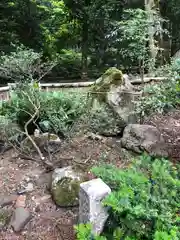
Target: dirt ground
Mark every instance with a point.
(49, 222)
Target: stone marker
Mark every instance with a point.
(90, 207)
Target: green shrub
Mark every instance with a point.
(57, 113)
(62, 110)
(69, 65)
(24, 100)
(162, 97)
(158, 98)
(84, 232)
(23, 65)
(144, 203)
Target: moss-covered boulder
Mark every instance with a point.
(65, 186)
(102, 86)
(114, 89)
(104, 121)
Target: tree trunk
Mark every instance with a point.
(149, 5)
(84, 49)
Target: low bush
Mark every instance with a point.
(57, 112)
(61, 110)
(162, 97)
(68, 66)
(23, 64)
(144, 203)
(64, 112)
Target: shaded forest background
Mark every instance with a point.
(86, 37)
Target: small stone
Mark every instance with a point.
(7, 200)
(21, 191)
(21, 201)
(27, 179)
(43, 199)
(20, 218)
(29, 187)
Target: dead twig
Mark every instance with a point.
(82, 162)
(31, 120)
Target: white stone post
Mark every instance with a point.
(91, 209)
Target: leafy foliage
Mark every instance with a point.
(62, 110)
(100, 30)
(68, 65)
(164, 96)
(84, 232)
(141, 205)
(57, 113)
(23, 65)
(131, 36)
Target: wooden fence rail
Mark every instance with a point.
(5, 91)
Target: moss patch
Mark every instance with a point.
(4, 218)
(66, 192)
(112, 76)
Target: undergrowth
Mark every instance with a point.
(60, 112)
(162, 97)
(144, 203)
(57, 110)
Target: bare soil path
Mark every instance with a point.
(48, 221)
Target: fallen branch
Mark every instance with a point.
(28, 122)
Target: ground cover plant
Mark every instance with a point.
(144, 203)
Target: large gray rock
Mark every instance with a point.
(20, 218)
(123, 103)
(91, 209)
(65, 186)
(116, 90)
(144, 138)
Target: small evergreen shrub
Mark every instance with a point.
(164, 96)
(23, 65)
(57, 113)
(68, 65)
(144, 203)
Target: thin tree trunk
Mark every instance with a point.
(84, 49)
(149, 4)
